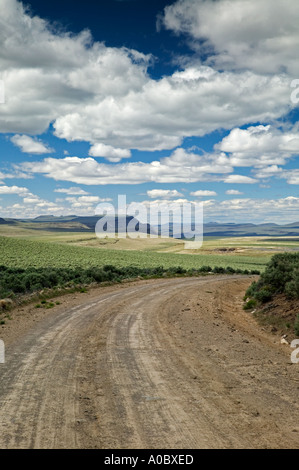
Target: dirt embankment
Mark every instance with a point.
(279, 316)
(159, 364)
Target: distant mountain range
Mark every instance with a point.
(4, 222)
(215, 229)
(250, 230)
(73, 223)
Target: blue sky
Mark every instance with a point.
(187, 100)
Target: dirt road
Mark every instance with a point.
(159, 364)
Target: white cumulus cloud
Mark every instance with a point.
(110, 153)
(180, 166)
(201, 193)
(259, 35)
(20, 191)
(260, 146)
(163, 193)
(233, 192)
(31, 145)
(72, 191)
(104, 96)
(240, 179)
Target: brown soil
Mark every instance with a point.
(160, 364)
(279, 316)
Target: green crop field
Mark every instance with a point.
(15, 252)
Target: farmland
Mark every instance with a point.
(23, 253)
(24, 246)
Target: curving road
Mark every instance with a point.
(172, 364)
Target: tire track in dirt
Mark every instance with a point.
(38, 382)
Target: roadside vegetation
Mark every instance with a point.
(275, 296)
(281, 276)
(17, 281)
